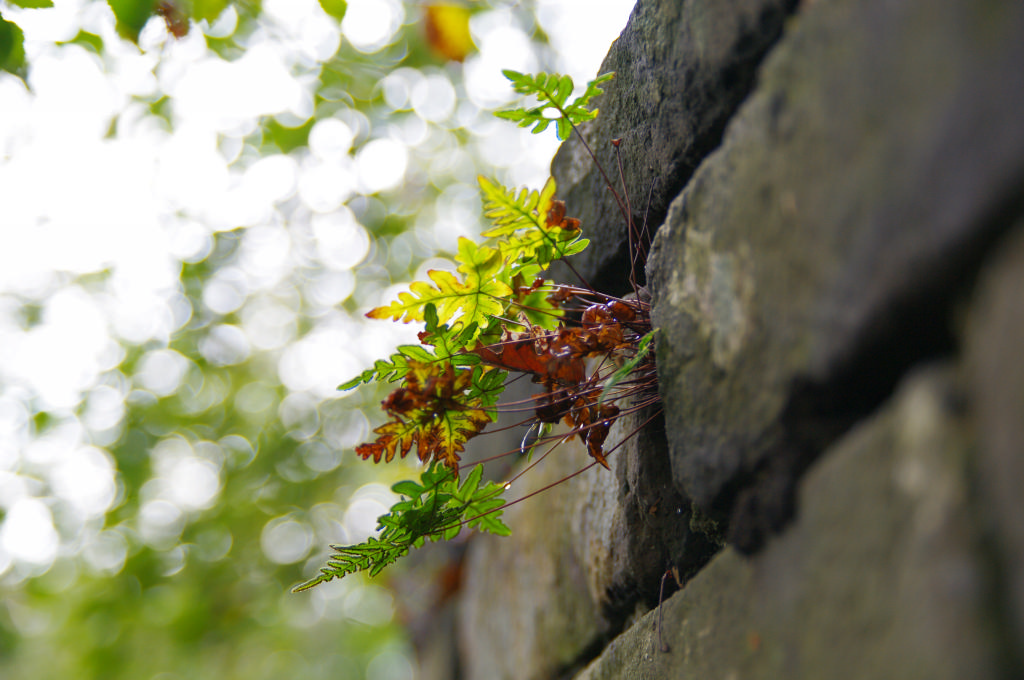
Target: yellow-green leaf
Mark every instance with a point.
(510, 212)
(476, 299)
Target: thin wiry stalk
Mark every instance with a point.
(625, 439)
(630, 228)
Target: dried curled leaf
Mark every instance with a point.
(534, 303)
(557, 360)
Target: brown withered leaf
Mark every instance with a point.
(556, 360)
(557, 218)
(430, 411)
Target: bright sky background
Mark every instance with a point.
(75, 200)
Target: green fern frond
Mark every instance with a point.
(435, 508)
(552, 91)
(446, 341)
(520, 228)
(643, 348)
(448, 394)
(473, 300)
(510, 211)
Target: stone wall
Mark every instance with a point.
(838, 280)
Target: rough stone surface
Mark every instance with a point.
(582, 557)
(629, 531)
(816, 254)
(878, 577)
(682, 67)
(840, 293)
(994, 341)
(529, 612)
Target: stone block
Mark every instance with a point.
(817, 254)
(878, 576)
(582, 557)
(994, 340)
(682, 68)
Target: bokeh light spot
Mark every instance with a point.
(330, 139)
(162, 371)
(160, 524)
(84, 478)
(369, 502)
(285, 540)
(390, 665)
(371, 24)
(341, 242)
(27, 533)
(106, 552)
(433, 98)
(318, 363)
(226, 291)
(225, 345)
(381, 164)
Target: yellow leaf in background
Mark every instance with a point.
(447, 28)
(335, 8)
(208, 9)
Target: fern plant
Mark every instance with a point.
(432, 510)
(497, 315)
(553, 90)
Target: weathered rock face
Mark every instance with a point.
(994, 338)
(531, 614)
(818, 253)
(878, 577)
(581, 557)
(839, 288)
(681, 70)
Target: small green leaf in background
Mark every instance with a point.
(288, 138)
(131, 16)
(32, 4)
(208, 9)
(12, 48)
(335, 8)
(90, 41)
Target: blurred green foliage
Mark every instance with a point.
(12, 48)
(179, 581)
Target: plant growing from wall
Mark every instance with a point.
(496, 316)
